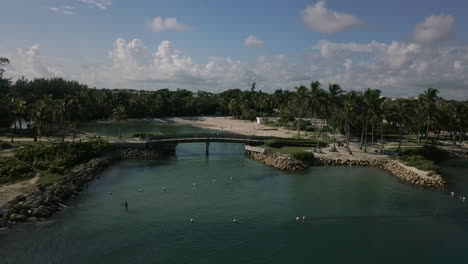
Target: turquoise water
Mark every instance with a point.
(354, 215)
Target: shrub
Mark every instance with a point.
(273, 143)
(12, 169)
(431, 153)
(420, 162)
(5, 145)
(307, 157)
(63, 156)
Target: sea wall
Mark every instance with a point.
(45, 201)
(137, 154)
(403, 172)
(276, 161)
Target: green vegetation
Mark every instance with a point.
(52, 161)
(61, 157)
(306, 157)
(289, 150)
(420, 162)
(424, 158)
(12, 169)
(56, 107)
(144, 134)
(427, 152)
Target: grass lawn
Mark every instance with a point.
(289, 150)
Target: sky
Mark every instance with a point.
(401, 47)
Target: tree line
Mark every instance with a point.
(59, 106)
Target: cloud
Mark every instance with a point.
(458, 66)
(321, 19)
(330, 49)
(434, 28)
(397, 68)
(160, 24)
(253, 41)
(65, 10)
(101, 4)
(30, 64)
(348, 64)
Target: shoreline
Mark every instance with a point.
(405, 173)
(44, 201)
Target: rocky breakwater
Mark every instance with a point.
(275, 160)
(405, 173)
(44, 201)
(137, 154)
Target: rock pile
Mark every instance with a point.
(277, 161)
(405, 174)
(44, 201)
(138, 154)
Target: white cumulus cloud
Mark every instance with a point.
(160, 24)
(434, 28)
(65, 10)
(253, 41)
(30, 64)
(101, 4)
(321, 19)
(458, 66)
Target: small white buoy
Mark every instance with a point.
(110, 193)
(194, 184)
(463, 199)
(141, 190)
(452, 193)
(214, 180)
(164, 188)
(303, 218)
(234, 220)
(232, 178)
(297, 219)
(191, 220)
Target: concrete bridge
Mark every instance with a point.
(166, 144)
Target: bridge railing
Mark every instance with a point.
(227, 135)
(205, 135)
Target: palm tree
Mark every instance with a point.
(118, 115)
(459, 116)
(299, 100)
(429, 104)
(41, 113)
(400, 115)
(315, 98)
(349, 109)
(372, 102)
(3, 61)
(333, 104)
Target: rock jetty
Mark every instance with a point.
(405, 173)
(45, 201)
(137, 154)
(277, 161)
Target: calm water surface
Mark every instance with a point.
(354, 215)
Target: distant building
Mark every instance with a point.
(315, 122)
(264, 120)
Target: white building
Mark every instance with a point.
(264, 120)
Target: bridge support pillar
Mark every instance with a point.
(207, 148)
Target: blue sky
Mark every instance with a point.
(400, 47)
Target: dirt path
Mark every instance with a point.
(8, 192)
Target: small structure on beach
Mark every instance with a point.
(264, 120)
